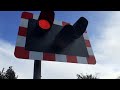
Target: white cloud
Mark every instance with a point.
(23, 68)
(108, 44)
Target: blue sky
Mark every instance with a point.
(103, 30)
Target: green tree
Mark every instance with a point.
(90, 76)
(9, 74)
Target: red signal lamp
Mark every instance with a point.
(44, 24)
(45, 20)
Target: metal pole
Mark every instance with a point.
(37, 69)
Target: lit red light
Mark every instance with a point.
(44, 24)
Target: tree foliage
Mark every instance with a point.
(90, 76)
(9, 74)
